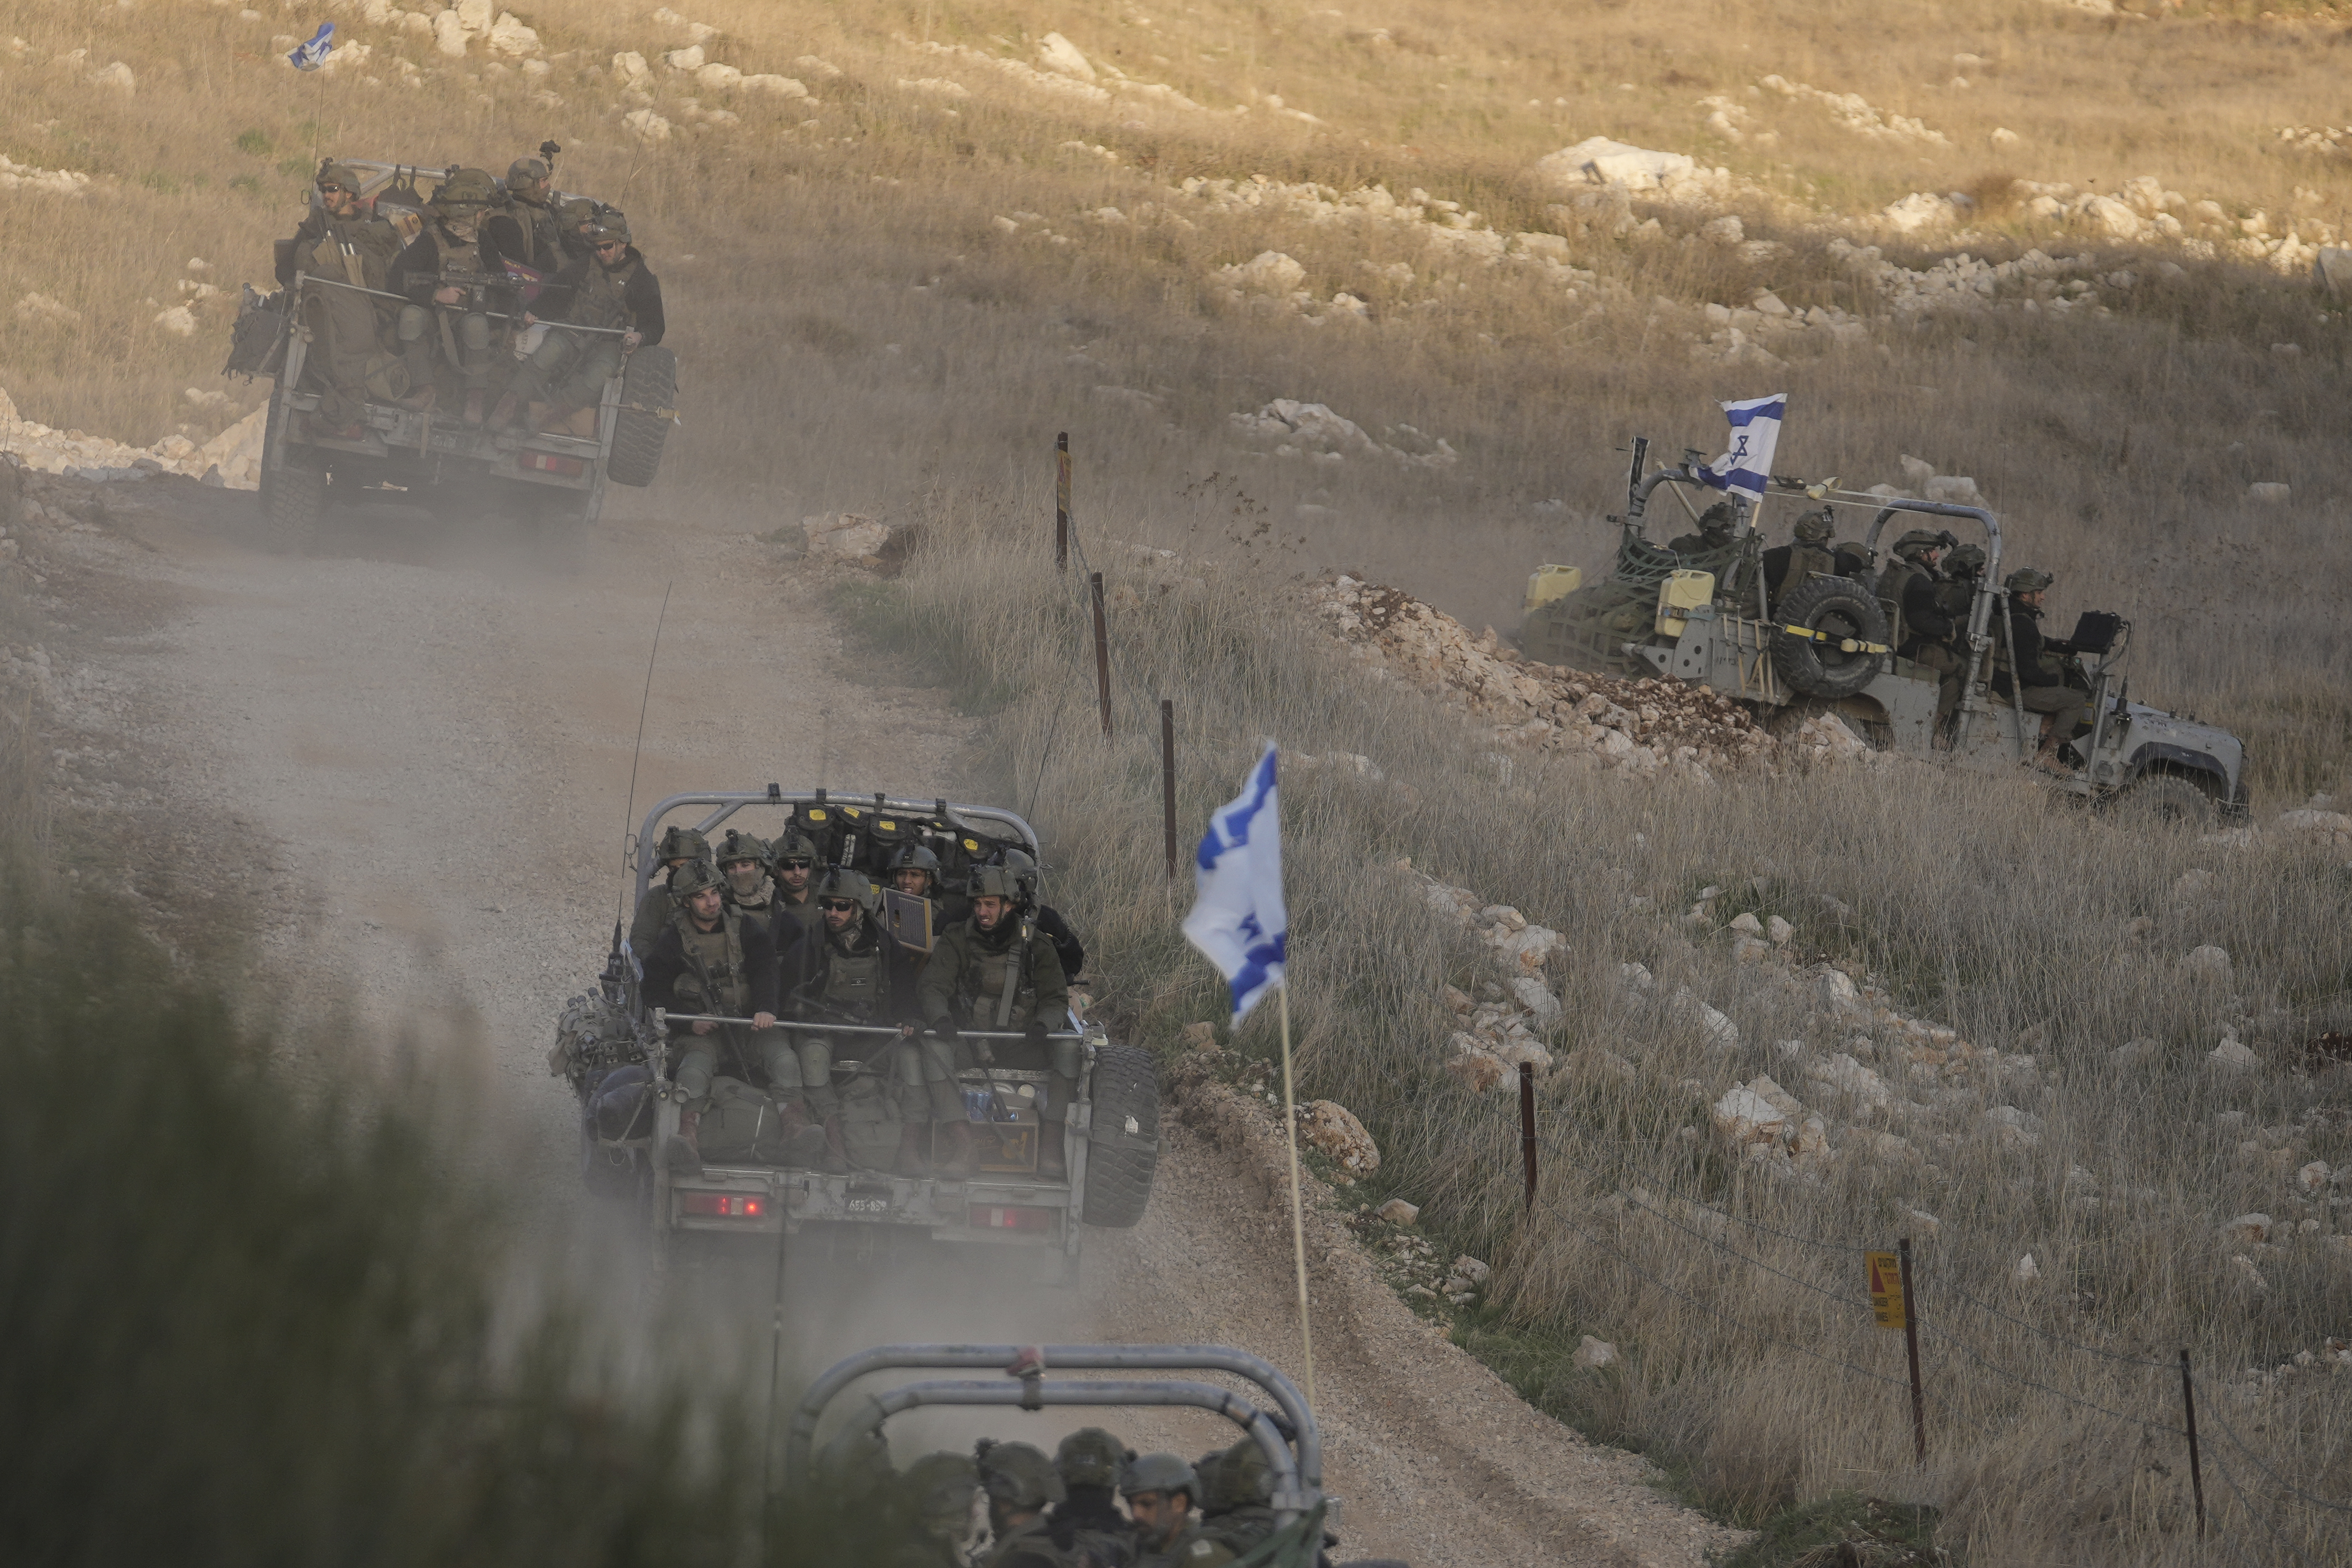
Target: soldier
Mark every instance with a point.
(530, 231)
(1923, 628)
(1854, 559)
(1159, 1490)
(1086, 1525)
(678, 845)
(712, 961)
(1050, 923)
(344, 241)
(615, 297)
(1716, 527)
(454, 281)
(1809, 553)
(915, 872)
(852, 973)
(1237, 1495)
(938, 1489)
(743, 861)
(795, 861)
(577, 220)
(2046, 688)
(1020, 1482)
(998, 972)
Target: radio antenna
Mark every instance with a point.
(629, 815)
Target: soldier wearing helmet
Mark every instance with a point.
(1237, 1495)
(1020, 1484)
(655, 907)
(1923, 629)
(743, 861)
(1160, 1489)
(709, 960)
(848, 970)
(1717, 526)
(997, 972)
(456, 280)
(915, 872)
(793, 861)
(1086, 1524)
(609, 304)
(342, 241)
(939, 1491)
(528, 229)
(2044, 688)
(1809, 553)
(1057, 930)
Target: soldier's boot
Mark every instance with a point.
(909, 1160)
(835, 1161)
(504, 413)
(682, 1154)
(419, 401)
(952, 1144)
(474, 398)
(1050, 1162)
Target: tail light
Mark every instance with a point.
(996, 1217)
(722, 1205)
(547, 463)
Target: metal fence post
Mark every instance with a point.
(2196, 1470)
(1911, 1346)
(1527, 1129)
(1168, 778)
(1062, 502)
(1102, 651)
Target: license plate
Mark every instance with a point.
(870, 1206)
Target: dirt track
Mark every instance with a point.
(419, 738)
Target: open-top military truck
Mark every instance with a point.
(554, 480)
(1703, 617)
(1019, 1378)
(613, 1050)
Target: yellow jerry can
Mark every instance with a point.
(1682, 592)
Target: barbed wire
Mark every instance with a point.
(1979, 1357)
(2221, 1467)
(2057, 1338)
(2213, 1403)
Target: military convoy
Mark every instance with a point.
(1703, 617)
(554, 480)
(612, 1048)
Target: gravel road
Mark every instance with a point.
(418, 738)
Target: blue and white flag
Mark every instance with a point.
(1754, 432)
(1237, 918)
(309, 57)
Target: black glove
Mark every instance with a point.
(943, 1030)
(1037, 1031)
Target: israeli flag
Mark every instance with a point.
(1754, 432)
(1237, 918)
(309, 57)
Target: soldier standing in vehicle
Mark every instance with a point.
(854, 973)
(455, 282)
(1808, 553)
(711, 961)
(743, 861)
(1717, 526)
(611, 293)
(1159, 1490)
(678, 845)
(1925, 633)
(2046, 688)
(998, 972)
(1086, 1524)
(1020, 1483)
(344, 241)
(528, 230)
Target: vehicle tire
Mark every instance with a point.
(2167, 798)
(1119, 1173)
(289, 515)
(648, 391)
(1842, 610)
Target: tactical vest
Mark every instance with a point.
(1892, 583)
(715, 979)
(853, 982)
(334, 253)
(985, 985)
(465, 259)
(600, 300)
(1804, 561)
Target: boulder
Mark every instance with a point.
(2014, 1128)
(449, 35)
(1058, 55)
(2246, 1230)
(1745, 1117)
(1779, 931)
(1267, 272)
(1397, 1212)
(2311, 1178)
(2208, 964)
(1330, 1126)
(2232, 1055)
(1598, 161)
(1533, 995)
(1844, 1075)
(2105, 215)
(1470, 1271)
(508, 37)
(1478, 1068)
(1721, 1033)
(2241, 1268)
(1839, 997)
(1594, 1353)
(845, 536)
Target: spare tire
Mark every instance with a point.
(648, 394)
(1837, 610)
(1123, 1139)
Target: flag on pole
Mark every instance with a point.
(311, 56)
(1238, 921)
(1754, 432)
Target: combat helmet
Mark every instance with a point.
(939, 1488)
(1162, 1473)
(1815, 528)
(1966, 560)
(855, 1466)
(682, 843)
(1090, 1457)
(916, 857)
(1234, 1478)
(522, 170)
(792, 844)
(1718, 521)
(334, 172)
(1025, 875)
(691, 877)
(1918, 540)
(463, 194)
(840, 881)
(2028, 579)
(1019, 1476)
(996, 882)
(742, 846)
(577, 210)
(610, 226)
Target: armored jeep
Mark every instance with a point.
(1826, 647)
(614, 1051)
(553, 480)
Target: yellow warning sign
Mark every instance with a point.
(1885, 1287)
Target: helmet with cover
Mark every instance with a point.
(792, 844)
(1019, 1476)
(1161, 1473)
(2029, 580)
(841, 881)
(691, 877)
(939, 1487)
(1815, 528)
(610, 228)
(1090, 1457)
(1919, 541)
(1966, 560)
(916, 857)
(996, 882)
(683, 843)
(464, 194)
(1716, 524)
(739, 845)
(1025, 875)
(1236, 1477)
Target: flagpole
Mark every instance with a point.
(1298, 1207)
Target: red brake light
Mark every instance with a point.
(722, 1205)
(990, 1217)
(547, 463)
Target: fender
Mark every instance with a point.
(2160, 756)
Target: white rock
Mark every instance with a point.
(2108, 216)
(474, 15)
(1839, 995)
(1779, 931)
(1537, 1000)
(1747, 1118)
(2314, 822)
(179, 321)
(1917, 213)
(1268, 272)
(1057, 54)
(509, 37)
(2269, 492)
(1749, 924)
(2004, 137)
(817, 66)
(449, 35)
(647, 126)
(630, 67)
(2208, 964)
(1397, 1212)
(691, 59)
(844, 536)
(1725, 230)
(2026, 1272)
(1844, 1075)
(2195, 884)
(2312, 1177)
(1722, 1034)
(1925, 1221)
(774, 85)
(2244, 1268)
(1954, 489)
(1470, 1268)
(717, 78)
(1331, 1128)
(2133, 1051)
(2232, 1055)
(2013, 1126)
(116, 78)
(1594, 1353)
(1598, 161)
(1636, 977)
(2247, 1230)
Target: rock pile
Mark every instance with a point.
(1310, 430)
(232, 458)
(1639, 728)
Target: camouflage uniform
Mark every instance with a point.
(1717, 527)
(530, 208)
(857, 975)
(1808, 554)
(759, 898)
(346, 325)
(1020, 1482)
(938, 1489)
(1236, 1490)
(1925, 631)
(1086, 1524)
(452, 253)
(568, 371)
(656, 904)
(1008, 979)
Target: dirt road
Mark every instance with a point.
(419, 738)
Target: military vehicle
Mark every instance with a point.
(1017, 1377)
(615, 1053)
(554, 480)
(1826, 647)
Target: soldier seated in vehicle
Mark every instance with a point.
(915, 872)
(528, 229)
(342, 242)
(455, 281)
(1160, 1489)
(997, 972)
(1717, 526)
(1086, 1525)
(793, 862)
(2046, 688)
(1236, 1497)
(938, 1492)
(713, 960)
(609, 305)
(854, 973)
(1924, 630)
(1020, 1484)
(1050, 923)
(743, 861)
(654, 906)
(1809, 553)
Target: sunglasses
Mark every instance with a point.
(603, 245)
(335, 191)
(841, 905)
(796, 865)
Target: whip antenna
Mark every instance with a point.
(629, 813)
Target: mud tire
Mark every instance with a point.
(2167, 800)
(649, 384)
(292, 504)
(1842, 609)
(1118, 1174)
